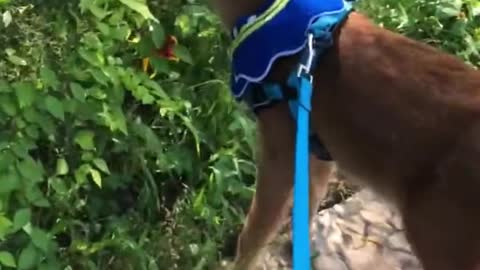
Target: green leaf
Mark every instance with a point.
(87, 156)
(449, 9)
(49, 78)
(118, 16)
(55, 107)
(183, 54)
(160, 65)
(40, 239)
(31, 115)
(84, 4)
(22, 217)
(58, 185)
(26, 94)
(90, 5)
(32, 131)
(113, 74)
(101, 165)
(98, 12)
(10, 51)
(188, 123)
(156, 89)
(447, 12)
(20, 123)
(114, 118)
(94, 58)
(52, 263)
(7, 158)
(96, 177)
(8, 105)
(121, 32)
(148, 99)
(36, 197)
(81, 173)
(158, 35)
(145, 47)
(7, 259)
(78, 92)
(28, 258)
(30, 170)
(10, 181)
(475, 8)
(141, 7)
(97, 93)
(28, 228)
(84, 138)
(91, 39)
(5, 226)
(16, 60)
(20, 148)
(99, 76)
(62, 167)
(184, 24)
(4, 87)
(104, 29)
(6, 18)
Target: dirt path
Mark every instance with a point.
(361, 233)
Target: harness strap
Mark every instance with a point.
(263, 96)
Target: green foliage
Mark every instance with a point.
(102, 165)
(106, 166)
(452, 25)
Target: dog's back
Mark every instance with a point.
(405, 118)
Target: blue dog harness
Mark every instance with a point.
(280, 28)
(277, 29)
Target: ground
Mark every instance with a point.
(361, 232)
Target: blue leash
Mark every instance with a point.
(302, 81)
(301, 234)
(319, 39)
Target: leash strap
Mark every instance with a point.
(319, 39)
(302, 81)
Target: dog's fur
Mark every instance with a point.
(397, 115)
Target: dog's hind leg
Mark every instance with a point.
(272, 201)
(442, 216)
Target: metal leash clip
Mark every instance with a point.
(306, 63)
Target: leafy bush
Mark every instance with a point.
(104, 165)
(452, 25)
(109, 161)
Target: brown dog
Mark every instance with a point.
(396, 115)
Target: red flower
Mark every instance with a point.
(167, 51)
